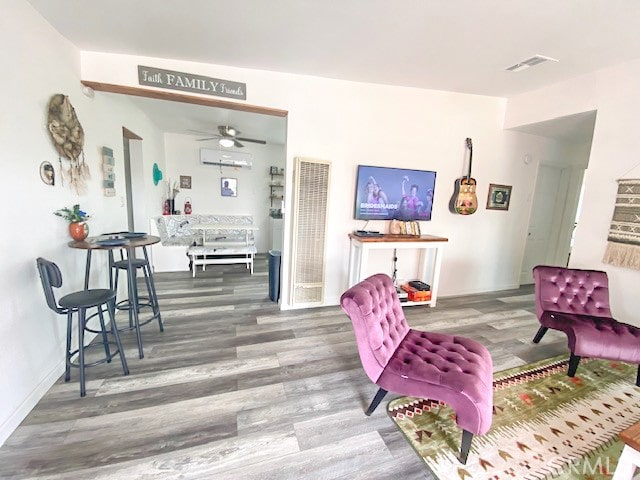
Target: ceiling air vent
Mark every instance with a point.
(529, 62)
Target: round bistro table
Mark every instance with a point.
(114, 243)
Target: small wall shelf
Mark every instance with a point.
(276, 185)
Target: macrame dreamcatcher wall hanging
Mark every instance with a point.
(68, 139)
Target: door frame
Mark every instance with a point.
(178, 97)
(194, 100)
(564, 217)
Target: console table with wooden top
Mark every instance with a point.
(430, 247)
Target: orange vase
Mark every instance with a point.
(78, 231)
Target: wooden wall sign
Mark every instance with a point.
(188, 82)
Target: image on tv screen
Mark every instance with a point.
(384, 193)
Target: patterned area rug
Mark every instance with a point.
(546, 425)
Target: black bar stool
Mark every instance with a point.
(80, 302)
(150, 301)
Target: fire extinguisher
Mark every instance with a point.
(187, 207)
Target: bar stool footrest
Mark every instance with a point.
(142, 302)
(97, 362)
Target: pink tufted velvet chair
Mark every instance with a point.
(455, 370)
(576, 302)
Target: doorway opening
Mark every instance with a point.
(186, 126)
(133, 178)
(558, 191)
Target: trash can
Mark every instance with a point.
(274, 275)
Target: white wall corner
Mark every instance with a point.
(19, 414)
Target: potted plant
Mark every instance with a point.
(78, 228)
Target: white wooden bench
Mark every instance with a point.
(221, 255)
(223, 243)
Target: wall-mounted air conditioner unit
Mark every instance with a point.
(225, 158)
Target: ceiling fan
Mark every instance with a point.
(228, 137)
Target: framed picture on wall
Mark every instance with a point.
(499, 197)
(229, 187)
(185, 181)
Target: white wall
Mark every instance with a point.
(144, 153)
(353, 123)
(614, 94)
(41, 63)
(183, 158)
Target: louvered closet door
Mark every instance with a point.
(311, 184)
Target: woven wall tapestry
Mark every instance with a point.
(623, 245)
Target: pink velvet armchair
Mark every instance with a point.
(455, 370)
(576, 302)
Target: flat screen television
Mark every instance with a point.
(385, 193)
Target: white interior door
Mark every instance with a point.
(541, 235)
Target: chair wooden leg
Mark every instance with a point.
(540, 334)
(574, 360)
(376, 401)
(465, 446)
(638, 377)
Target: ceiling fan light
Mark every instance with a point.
(226, 142)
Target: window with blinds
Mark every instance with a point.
(311, 187)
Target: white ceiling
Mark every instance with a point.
(453, 45)
(572, 128)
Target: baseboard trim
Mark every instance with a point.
(497, 288)
(14, 420)
(332, 301)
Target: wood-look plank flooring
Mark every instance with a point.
(236, 389)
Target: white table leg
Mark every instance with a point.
(437, 263)
(363, 262)
(629, 460)
(352, 265)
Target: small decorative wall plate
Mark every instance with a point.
(47, 174)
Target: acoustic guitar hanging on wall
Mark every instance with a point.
(464, 200)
